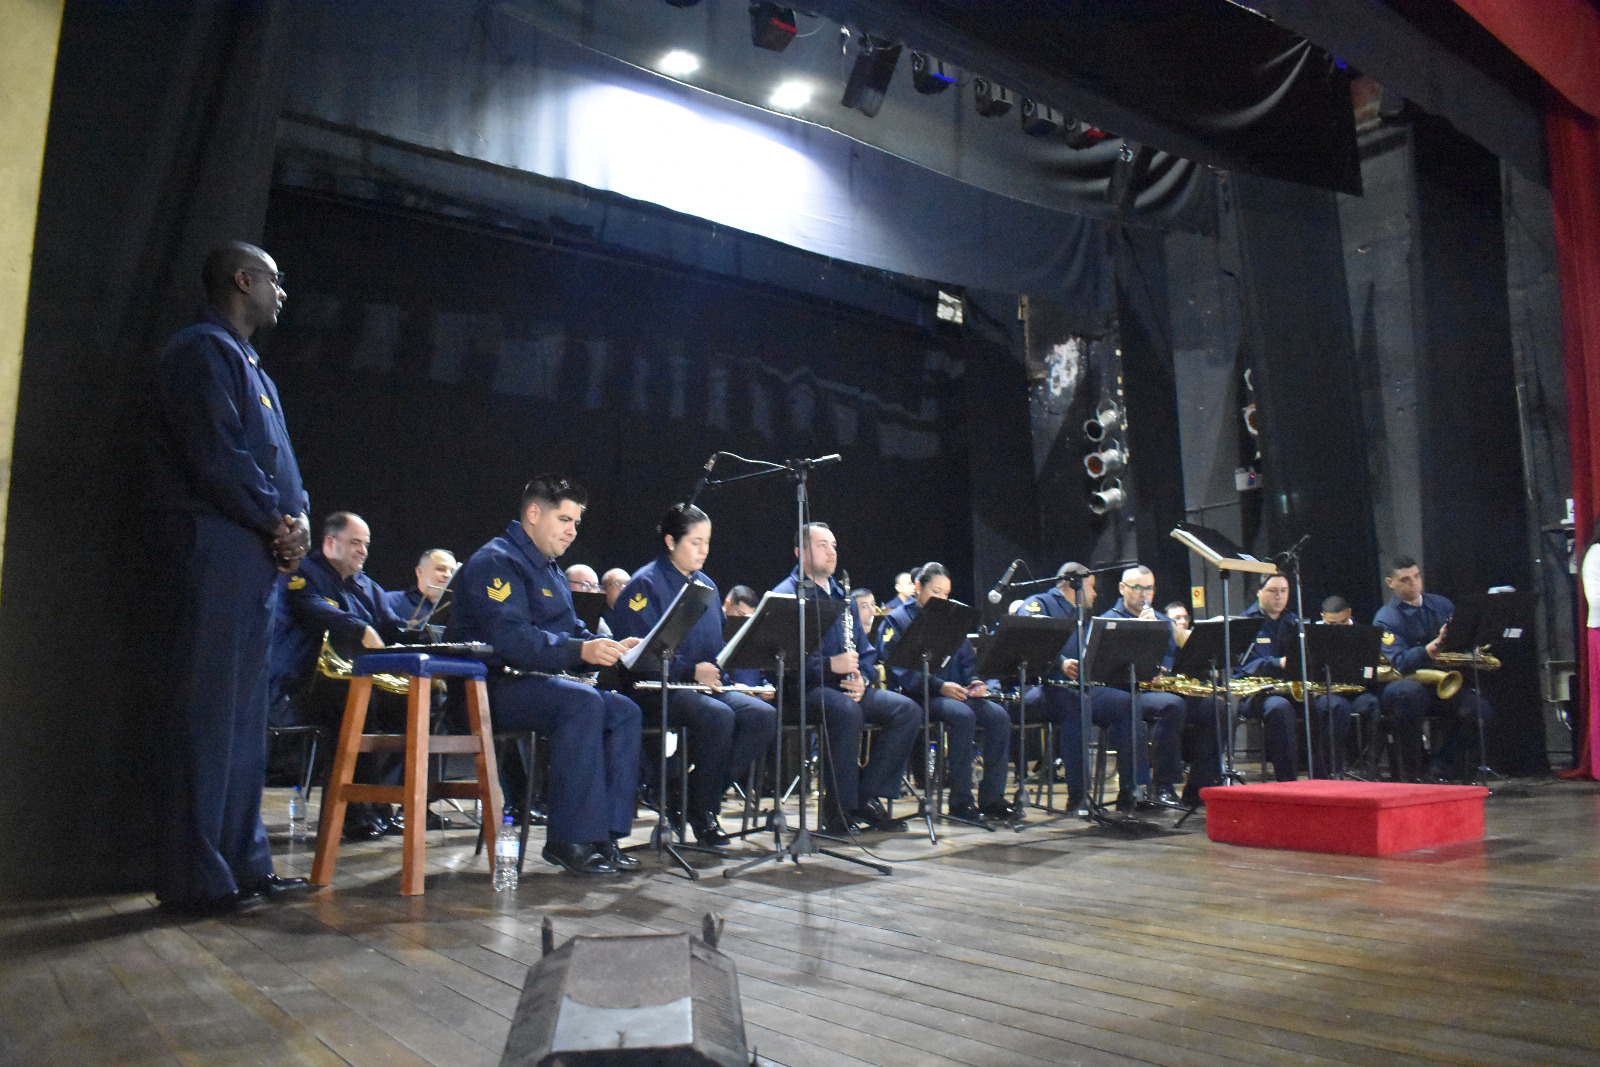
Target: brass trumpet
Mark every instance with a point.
(1446, 684)
(332, 665)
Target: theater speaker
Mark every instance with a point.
(666, 1000)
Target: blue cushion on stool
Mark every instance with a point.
(419, 664)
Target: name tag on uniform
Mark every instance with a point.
(1263, 640)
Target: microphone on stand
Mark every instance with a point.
(999, 589)
(705, 476)
(1290, 553)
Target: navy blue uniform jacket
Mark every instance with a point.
(223, 447)
(833, 640)
(958, 668)
(1053, 604)
(1119, 610)
(317, 601)
(1407, 630)
(512, 596)
(647, 596)
(1271, 643)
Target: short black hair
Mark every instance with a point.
(422, 560)
(928, 572)
(549, 490)
(334, 524)
(1335, 604)
(679, 519)
(1401, 563)
(1175, 604)
(861, 592)
(743, 594)
(222, 262)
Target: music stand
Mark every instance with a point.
(1340, 655)
(1204, 654)
(1484, 619)
(1127, 651)
(766, 639)
(1029, 648)
(933, 636)
(1216, 549)
(657, 649)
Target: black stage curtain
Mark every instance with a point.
(429, 368)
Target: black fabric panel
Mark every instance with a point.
(1301, 350)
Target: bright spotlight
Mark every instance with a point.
(678, 63)
(791, 96)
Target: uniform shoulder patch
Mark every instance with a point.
(1033, 606)
(298, 581)
(637, 602)
(888, 634)
(1388, 638)
(499, 589)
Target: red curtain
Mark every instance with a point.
(1561, 41)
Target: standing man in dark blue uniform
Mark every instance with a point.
(955, 700)
(727, 732)
(1164, 713)
(513, 595)
(232, 516)
(1413, 627)
(841, 696)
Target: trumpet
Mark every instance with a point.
(1446, 684)
(332, 665)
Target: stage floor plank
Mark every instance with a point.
(1061, 944)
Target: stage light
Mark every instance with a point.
(678, 63)
(1109, 498)
(930, 75)
(992, 100)
(790, 96)
(1106, 419)
(1248, 413)
(771, 27)
(1107, 462)
(950, 308)
(1039, 119)
(870, 76)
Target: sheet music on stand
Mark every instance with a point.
(692, 601)
(1215, 548)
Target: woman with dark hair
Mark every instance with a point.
(727, 731)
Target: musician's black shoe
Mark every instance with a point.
(834, 823)
(878, 818)
(707, 831)
(964, 810)
(575, 858)
(1168, 798)
(362, 822)
(1004, 811)
(272, 885)
(1126, 804)
(612, 853)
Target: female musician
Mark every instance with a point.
(727, 731)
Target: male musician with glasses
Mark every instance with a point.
(513, 595)
(839, 694)
(1165, 713)
(1413, 626)
(231, 514)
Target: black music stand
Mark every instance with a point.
(1335, 655)
(766, 640)
(1126, 651)
(1029, 648)
(933, 637)
(656, 649)
(1482, 619)
(1204, 654)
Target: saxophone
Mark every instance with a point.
(849, 627)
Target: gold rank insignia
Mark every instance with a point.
(888, 634)
(545, 591)
(265, 401)
(297, 582)
(1388, 638)
(499, 589)
(328, 600)
(1033, 606)
(638, 601)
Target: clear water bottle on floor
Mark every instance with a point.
(297, 815)
(505, 855)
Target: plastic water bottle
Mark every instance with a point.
(505, 856)
(297, 815)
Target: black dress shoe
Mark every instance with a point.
(965, 810)
(612, 853)
(577, 858)
(273, 884)
(877, 817)
(708, 832)
(1003, 811)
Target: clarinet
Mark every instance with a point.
(849, 622)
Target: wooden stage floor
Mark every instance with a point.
(1061, 944)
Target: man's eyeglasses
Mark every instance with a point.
(1139, 588)
(585, 587)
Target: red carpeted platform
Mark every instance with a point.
(1356, 818)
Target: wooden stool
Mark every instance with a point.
(417, 744)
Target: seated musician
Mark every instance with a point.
(1178, 612)
(869, 621)
(1165, 713)
(433, 573)
(1267, 657)
(727, 732)
(902, 591)
(1056, 701)
(1363, 707)
(1413, 626)
(331, 594)
(957, 701)
(512, 595)
(835, 689)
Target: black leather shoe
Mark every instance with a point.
(1167, 798)
(1003, 811)
(1126, 803)
(612, 853)
(273, 884)
(363, 827)
(577, 859)
(965, 810)
(708, 832)
(877, 817)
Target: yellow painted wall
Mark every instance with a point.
(29, 32)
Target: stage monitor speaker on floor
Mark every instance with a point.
(666, 1000)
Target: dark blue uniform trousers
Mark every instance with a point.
(1277, 717)
(1333, 711)
(728, 732)
(961, 720)
(212, 840)
(1408, 703)
(594, 752)
(1108, 709)
(843, 778)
